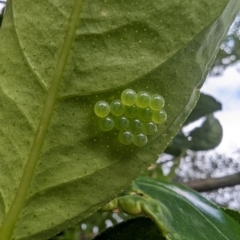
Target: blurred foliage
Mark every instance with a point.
(91, 226)
(199, 165)
(140, 228)
(205, 137)
(205, 105)
(208, 136)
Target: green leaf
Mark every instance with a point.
(59, 58)
(140, 228)
(205, 106)
(233, 213)
(179, 213)
(208, 136)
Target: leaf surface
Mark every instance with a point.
(56, 166)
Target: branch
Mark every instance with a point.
(210, 184)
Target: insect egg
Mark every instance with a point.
(140, 139)
(135, 125)
(149, 128)
(121, 123)
(129, 97)
(117, 108)
(144, 114)
(125, 137)
(106, 124)
(101, 109)
(157, 102)
(131, 111)
(143, 99)
(159, 117)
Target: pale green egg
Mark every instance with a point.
(159, 117)
(131, 111)
(157, 102)
(143, 99)
(149, 128)
(145, 114)
(121, 123)
(140, 139)
(106, 124)
(135, 125)
(117, 108)
(125, 137)
(129, 97)
(101, 109)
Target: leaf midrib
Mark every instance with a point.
(21, 194)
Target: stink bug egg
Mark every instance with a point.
(106, 124)
(121, 123)
(125, 137)
(143, 99)
(101, 109)
(129, 97)
(117, 108)
(140, 139)
(144, 114)
(159, 117)
(149, 128)
(135, 125)
(131, 111)
(157, 102)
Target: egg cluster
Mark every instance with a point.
(135, 115)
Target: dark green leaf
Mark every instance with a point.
(205, 105)
(208, 136)
(140, 228)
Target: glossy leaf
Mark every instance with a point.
(57, 60)
(179, 213)
(206, 105)
(208, 136)
(140, 228)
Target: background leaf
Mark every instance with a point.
(208, 136)
(180, 213)
(140, 228)
(50, 138)
(206, 105)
